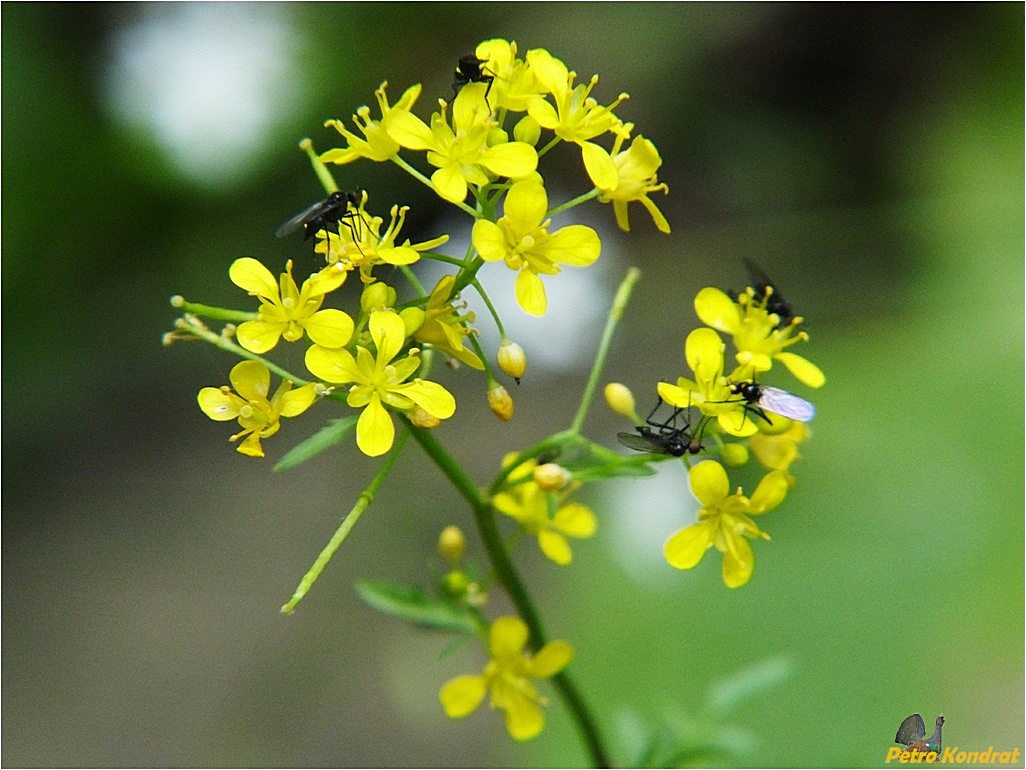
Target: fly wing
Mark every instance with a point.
(912, 729)
(298, 220)
(786, 404)
(641, 443)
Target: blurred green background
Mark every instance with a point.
(869, 157)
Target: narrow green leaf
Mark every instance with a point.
(416, 606)
(334, 432)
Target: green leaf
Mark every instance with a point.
(416, 606)
(335, 432)
(728, 693)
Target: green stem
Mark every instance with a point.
(348, 522)
(195, 327)
(623, 294)
(210, 311)
(484, 515)
(323, 174)
(593, 193)
(424, 180)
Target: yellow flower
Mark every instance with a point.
(576, 116)
(710, 391)
(756, 334)
(362, 244)
(635, 178)
(378, 145)
(724, 521)
(537, 512)
(521, 238)
(378, 380)
(286, 310)
(506, 678)
(461, 152)
(439, 324)
(258, 415)
(514, 84)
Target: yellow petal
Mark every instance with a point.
(431, 397)
(375, 431)
(388, 332)
(251, 380)
(460, 696)
(507, 637)
(770, 493)
(409, 130)
(489, 240)
(600, 166)
(259, 336)
(524, 718)
(709, 483)
(738, 563)
(576, 245)
(247, 273)
(219, 405)
(555, 546)
(718, 310)
(685, 548)
(331, 328)
(804, 370)
(531, 293)
(450, 184)
(332, 364)
(399, 255)
(297, 401)
(251, 446)
(513, 159)
(703, 350)
(551, 659)
(525, 206)
(575, 520)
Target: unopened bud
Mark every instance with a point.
(620, 399)
(413, 319)
(551, 476)
(500, 402)
(377, 296)
(512, 360)
(451, 544)
(734, 455)
(422, 419)
(527, 130)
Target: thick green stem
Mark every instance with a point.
(484, 516)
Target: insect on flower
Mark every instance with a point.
(662, 437)
(766, 291)
(468, 70)
(761, 399)
(338, 208)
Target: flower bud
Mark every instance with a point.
(500, 402)
(527, 130)
(620, 399)
(413, 319)
(734, 455)
(512, 359)
(551, 476)
(377, 296)
(422, 419)
(451, 544)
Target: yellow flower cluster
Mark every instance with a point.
(729, 405)
(483, 150)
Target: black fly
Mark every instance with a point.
(662, 437)
(761, 399)
(469, 70)
(325, 215)
(767, 293)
